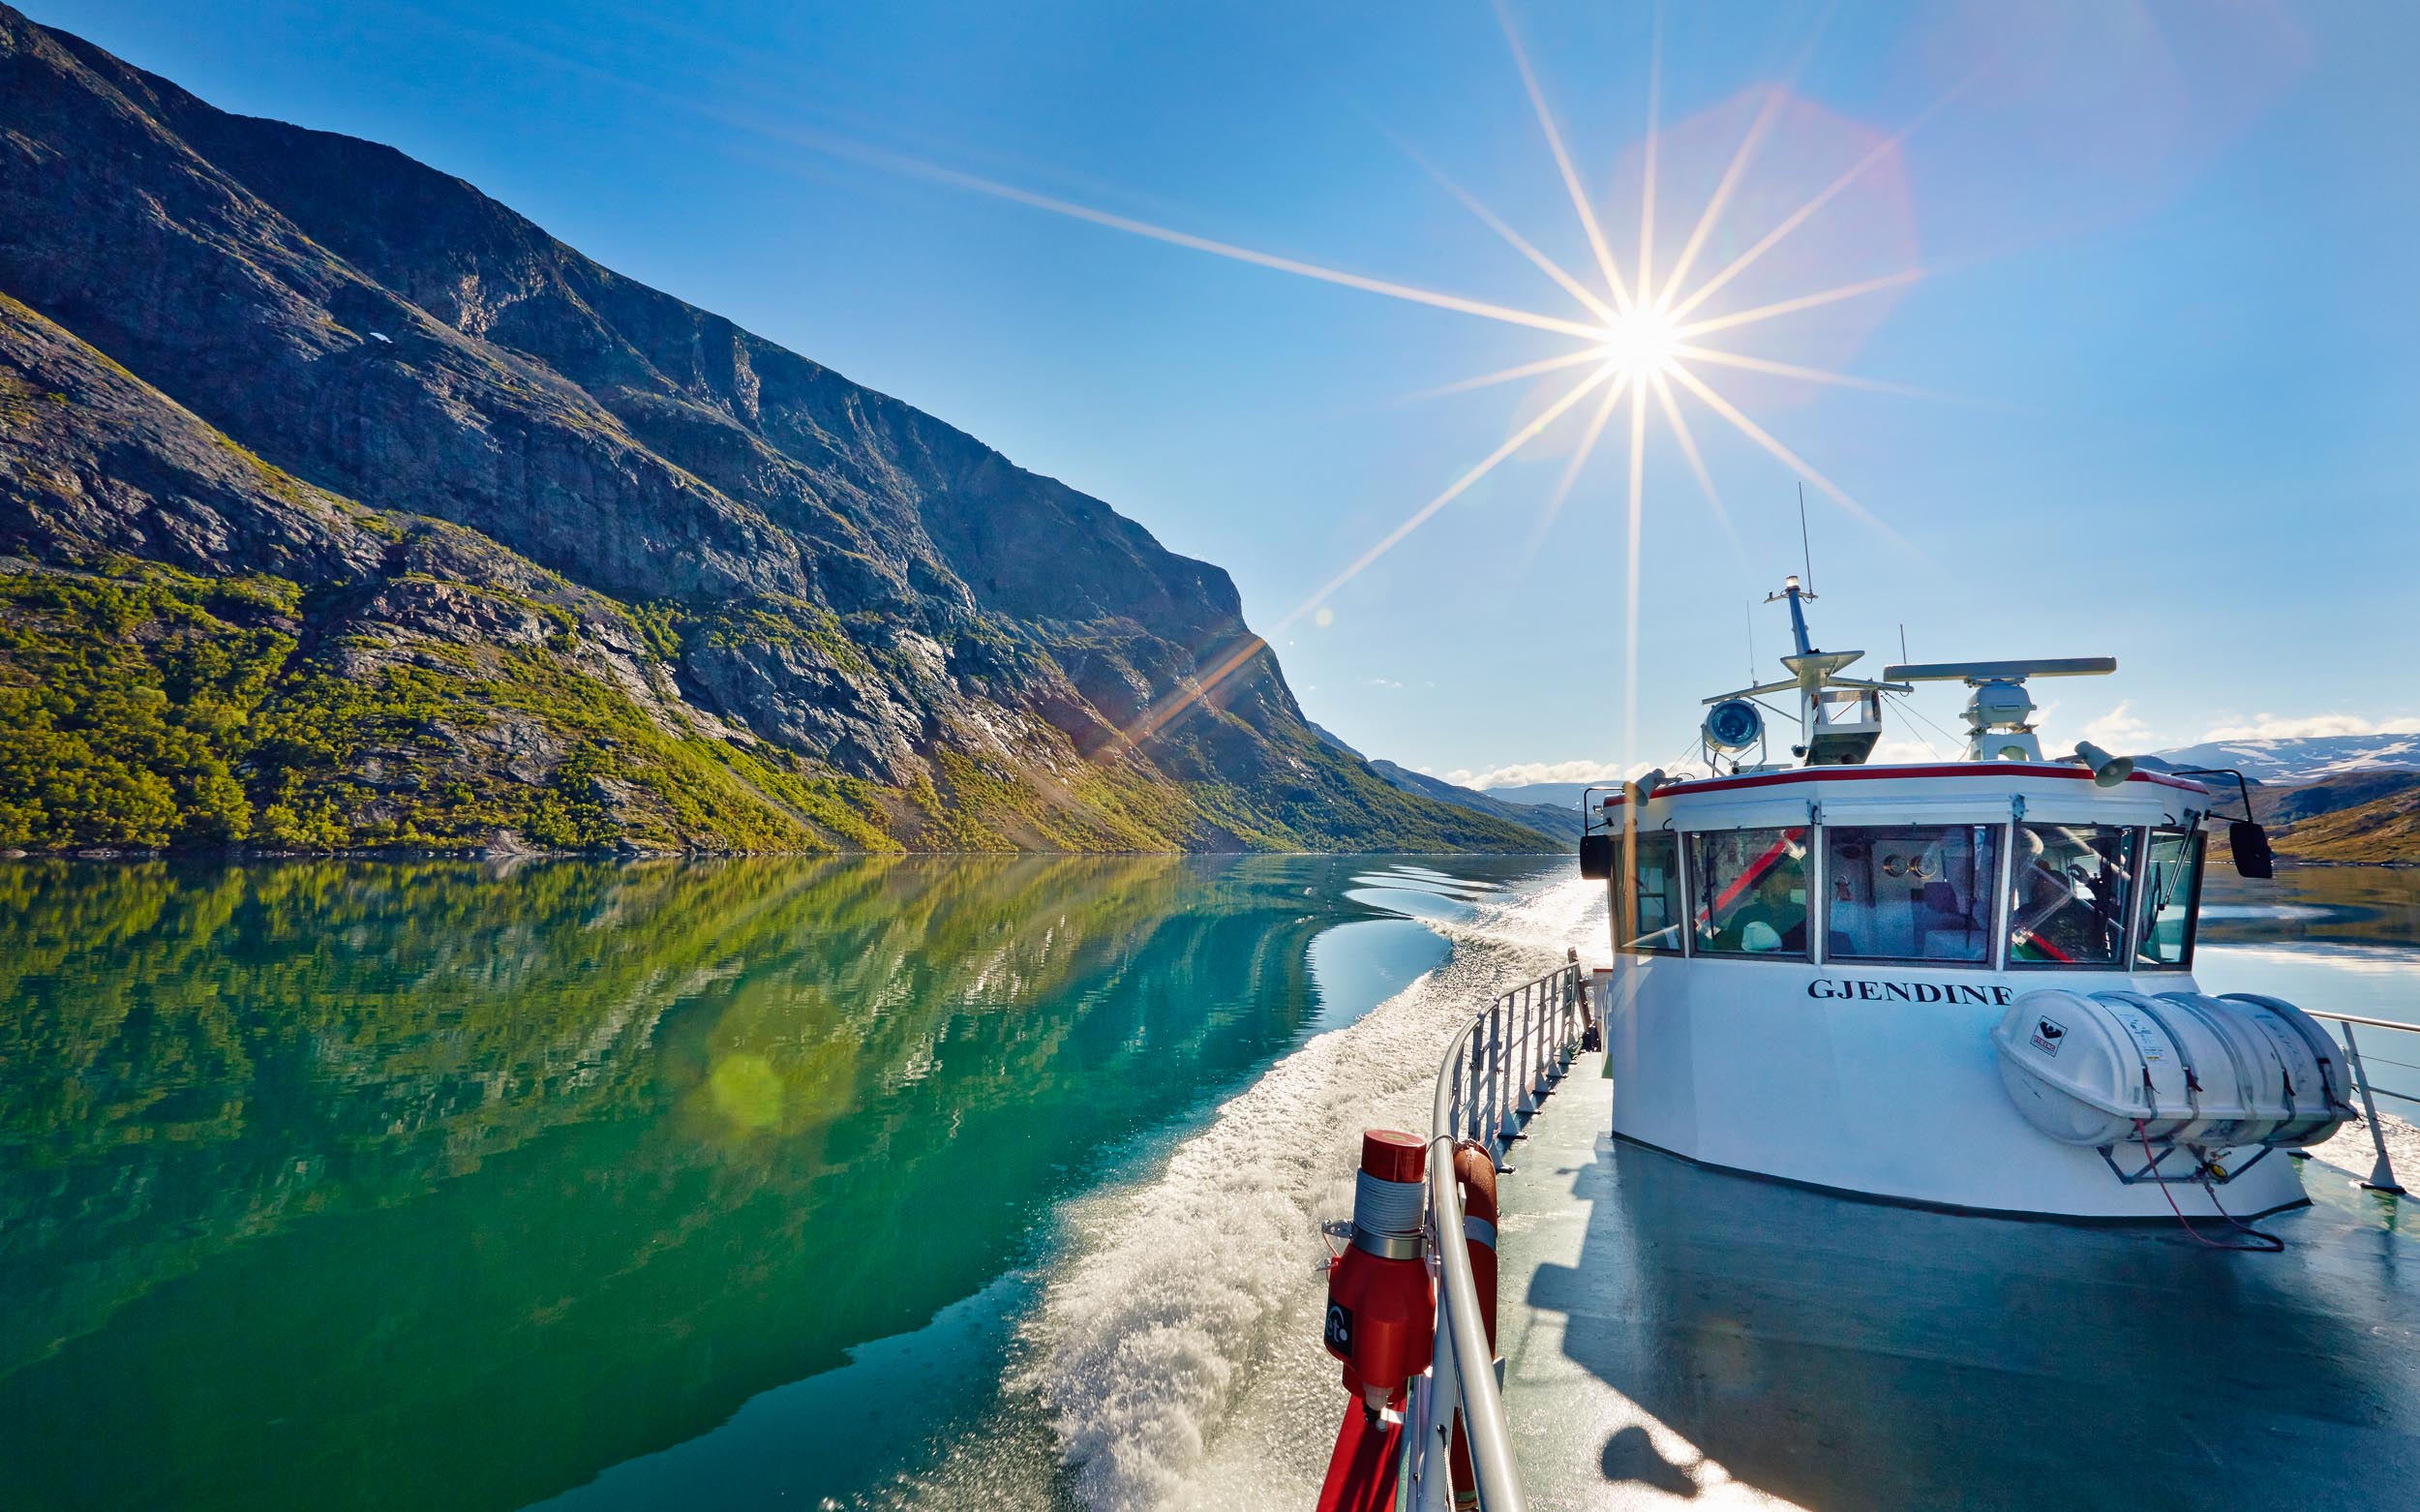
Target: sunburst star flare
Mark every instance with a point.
(1634, 335)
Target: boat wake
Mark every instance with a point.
(1175, 1350)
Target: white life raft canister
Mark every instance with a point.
(2179, 1067)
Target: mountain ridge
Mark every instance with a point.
(530, 553)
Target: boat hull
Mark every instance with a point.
(1880, 1081)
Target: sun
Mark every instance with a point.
(1640, 346)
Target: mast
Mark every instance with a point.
(1791, 590)
(1839, 718)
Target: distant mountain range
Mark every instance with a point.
(340, 506)
(1560, 821)
(2300, 759)
(1561, 794)
(1556, 826)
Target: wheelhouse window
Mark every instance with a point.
(1657, 903)
(2171, 894)
(1910, 893)
(1751, 893)
(2070, 883)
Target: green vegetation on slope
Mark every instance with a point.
(151, 707)
(125, 703)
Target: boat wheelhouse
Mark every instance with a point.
(1966, 984)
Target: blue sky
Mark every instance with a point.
(2159, 304)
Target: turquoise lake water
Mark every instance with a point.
(864, 1183)
(440, 1185)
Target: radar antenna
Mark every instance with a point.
(2000, 713)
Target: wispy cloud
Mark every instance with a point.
(2278, 727)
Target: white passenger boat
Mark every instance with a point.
(1856, 1014)
(1967, 985)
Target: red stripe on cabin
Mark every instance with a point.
(1967, 768)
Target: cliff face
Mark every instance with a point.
(468, 536)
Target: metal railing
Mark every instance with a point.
(2382, 1173)
(1494, 1075)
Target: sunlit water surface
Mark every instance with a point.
(856, 1183)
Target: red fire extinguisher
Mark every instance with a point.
(1381, 1317)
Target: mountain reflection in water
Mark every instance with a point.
(429, 1184)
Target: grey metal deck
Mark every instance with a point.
(1678, 1334)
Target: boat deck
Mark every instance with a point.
(1677, 1333)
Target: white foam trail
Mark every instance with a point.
(1175, 1352)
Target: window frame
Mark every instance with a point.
(1680, 929)
(2197, 843)
(1988, 918)
(2005, 949)
(1810, 834)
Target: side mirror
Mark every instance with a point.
(1596, 855)
(2250, 844)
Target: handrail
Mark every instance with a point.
(1477, 1086)
(2367, 1023)
(1461, 1335)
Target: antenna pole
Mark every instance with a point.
(1797, 618)
(1903, 656)
(1807, 553)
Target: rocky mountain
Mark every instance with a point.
(340, 506)
(2329, 795)
(2367, 816)
(2383, 831)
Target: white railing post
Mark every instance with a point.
(1506, 1123)
(1525, 1059)
(1475, 1104)
(1561, 1061)
(1501, 1126)
(2382, 1174)
(1541, 1071)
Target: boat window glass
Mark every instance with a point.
(2171, 890)
(1910, 893)
(2071, 887)
(1658, 904)
(1750, 893)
